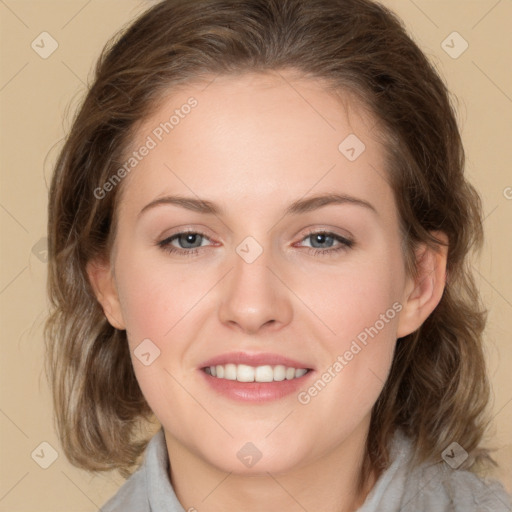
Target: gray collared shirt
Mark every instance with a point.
(427, 488)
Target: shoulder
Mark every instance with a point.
(131, 496)
(440, 487)
(149, 489)
(432, 486)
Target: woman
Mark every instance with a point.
(318, 345)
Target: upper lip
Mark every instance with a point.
(256, 359)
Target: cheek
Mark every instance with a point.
(155, 297)
(352, 296)
(361, 308)
(158, 307)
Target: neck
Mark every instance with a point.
(330, 482)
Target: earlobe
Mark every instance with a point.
(424, 292)
(103, 283)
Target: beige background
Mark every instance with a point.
(34, 95)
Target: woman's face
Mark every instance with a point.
(252, 288)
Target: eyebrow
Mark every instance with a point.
(297, 207)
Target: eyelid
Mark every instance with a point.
(332, 231)
(184, 231)
(344, 242)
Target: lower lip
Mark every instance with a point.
(256, 391)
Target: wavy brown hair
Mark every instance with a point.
(437, 390)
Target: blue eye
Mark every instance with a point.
(326, 237)
(187, 240)
(191, 241)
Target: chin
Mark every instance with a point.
(255, 458)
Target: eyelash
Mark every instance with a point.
(345, 244)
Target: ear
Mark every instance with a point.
(102, 280)
(423, 293)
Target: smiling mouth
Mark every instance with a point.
(246, 373)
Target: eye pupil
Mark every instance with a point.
(189, 238)
(194, 240)
(321, 238)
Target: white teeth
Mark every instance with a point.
(246, 373)
(279, 372)
(230, 371)
(264, 374)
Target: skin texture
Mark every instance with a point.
(253, 145)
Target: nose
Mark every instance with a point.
(254, 296)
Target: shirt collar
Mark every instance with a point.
(162, 498)
(161, 495)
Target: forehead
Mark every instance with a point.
(258, 138)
